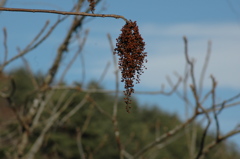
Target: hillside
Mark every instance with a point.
(92, 130)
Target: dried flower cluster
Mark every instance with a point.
(92, 5)
(130, 48)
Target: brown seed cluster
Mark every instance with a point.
(130, 48)
(92, 5)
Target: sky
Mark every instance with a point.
(162, 24)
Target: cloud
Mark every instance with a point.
(165, 49)
(166, 52)
(193, 29)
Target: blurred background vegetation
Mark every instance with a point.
(94, 129)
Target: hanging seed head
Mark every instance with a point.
(130, 49)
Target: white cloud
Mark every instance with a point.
(165, 49)
(193, 29)
(166, 56)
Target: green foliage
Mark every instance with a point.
(24, 85)
(137, 129)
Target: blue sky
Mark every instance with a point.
(162, 25)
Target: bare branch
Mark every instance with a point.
(2, 3)
(226, 101)
(63, 48)
(100, 109)
(83, 68)
(216, 142)
(38, 35)
(88, 118)
(74, 57)
(190, 63)
(222, 105)
(205, 65)
(34, 82)
(29, 48)
(104, 72)
(74, 110)
(174, 89)
(206, 96)
(62, 12)
(113, 91)
(193, 87)
(79, 5)
(41, 109)
(79, 143)
(126, 154)
(101, 144)
(5, 45)
(165, 136)
(204, 135)
(115, 105)
(191, 130)
(214, 84)
(37, 144)
(116, 77)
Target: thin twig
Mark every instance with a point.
(79, 5)
(74, 57)
(79, 143)
(101, 144)
(41, 109)
(20, 119)
(190, 134)
(190, 63)
(196, 97)
(62, 12)
(174, 89)
(115, 105)
(214, 84)
(77, 23)
(116, 72)
(88, 119)
(28, 48)
(104, 72)
(62, 97)
(206, 96)
(33, 79)
(165, 136)
(185, 90)
(127, 155)
(2, 3)
(216, 142)
(5, 45)
(90, 99)
(38, 142)
(38, 35)
(205, 65)
(222, 105)
(74, 110)
(87, 97)
(168, 142)
(113, 91)
(226, 101)
(26, 131)
(217, 108)
(204, 135)
(83, 68)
